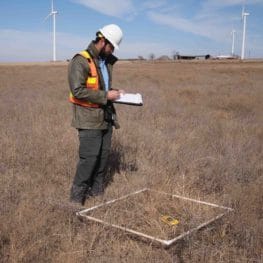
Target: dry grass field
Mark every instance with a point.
(199, 134)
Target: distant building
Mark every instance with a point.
(190, 57)
(226, 57)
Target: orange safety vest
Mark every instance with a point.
(92, 82)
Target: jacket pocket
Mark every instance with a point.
(93, 115)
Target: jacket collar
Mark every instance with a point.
(95, 54)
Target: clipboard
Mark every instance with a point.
(134, 99)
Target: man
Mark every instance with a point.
(90, 77)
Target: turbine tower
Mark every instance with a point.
(233, 42)
(53, 13)
(244, 18)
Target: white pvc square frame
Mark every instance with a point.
(163, 242)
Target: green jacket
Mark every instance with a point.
(78, 71)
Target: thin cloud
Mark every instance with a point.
(228, 3)
(114, 8)
(153, 4)
(207, 29)
(212, 7)
(209, 20)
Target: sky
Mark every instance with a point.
(158, 27)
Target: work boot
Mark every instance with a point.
(96, 192)
(96, 189)
(91, 193)
(78, 194)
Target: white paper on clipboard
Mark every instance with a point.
(130, 99)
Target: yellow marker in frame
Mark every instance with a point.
(169, 220)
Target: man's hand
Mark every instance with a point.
(113, 94)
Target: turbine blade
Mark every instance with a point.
(50, 14)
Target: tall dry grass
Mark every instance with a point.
(199, 134)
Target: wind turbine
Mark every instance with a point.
(53, 13)
(233, 42)
(244, 18)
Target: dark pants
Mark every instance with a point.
(94, 149)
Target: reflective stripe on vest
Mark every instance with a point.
(92, 82)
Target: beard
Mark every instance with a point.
(103, 54)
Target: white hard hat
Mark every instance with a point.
(113, 34)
